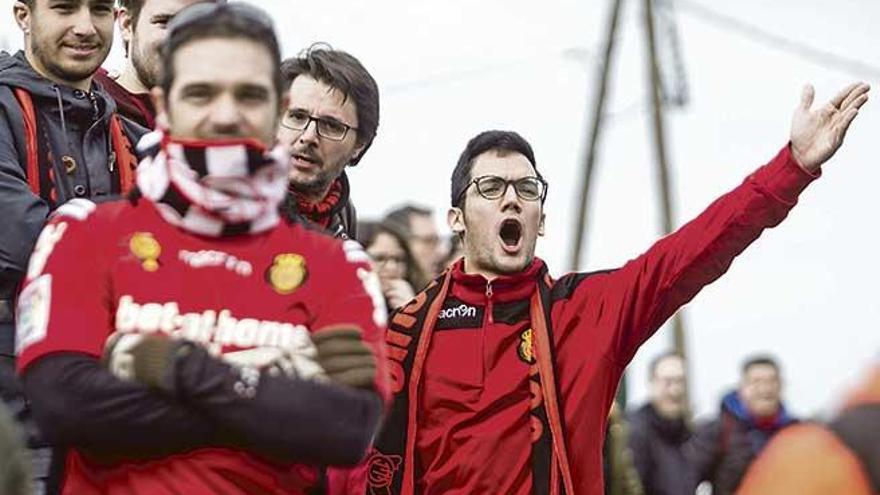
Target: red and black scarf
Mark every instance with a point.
(322, 212)
(391, 467)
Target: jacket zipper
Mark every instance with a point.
(489, 302)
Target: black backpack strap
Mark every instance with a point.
(859, 429)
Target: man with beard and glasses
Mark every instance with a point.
(503, 377)
(143, 24)
(330, 123)
(189, 339)
(60, 139)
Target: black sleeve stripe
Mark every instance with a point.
(565, 286)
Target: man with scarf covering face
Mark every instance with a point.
(503, 377)
(330, 122)
(188, 339)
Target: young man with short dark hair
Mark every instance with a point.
(512, 395)
(189, 339)
(60, 139)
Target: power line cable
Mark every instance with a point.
(759, 35)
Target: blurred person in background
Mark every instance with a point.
(659, 430)
(418, 224)
(330, 122)
(143, 24)
(398, 272)
(838, 458)
(722, 450)
(620, 473)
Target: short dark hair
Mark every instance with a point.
(502, 141)
(133, 7)
(220, 20)
(401, 215)
(759, 360)
(346, 74)
(652, 367)
(29, 3)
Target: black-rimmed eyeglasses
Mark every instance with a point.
(494, 187)
(332, 129)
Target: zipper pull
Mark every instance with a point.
(489, 302)
(111, 160)
(95, 109)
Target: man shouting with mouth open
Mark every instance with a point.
(511, 394)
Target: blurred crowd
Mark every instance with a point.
(752, 446)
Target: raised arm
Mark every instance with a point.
(638, 298)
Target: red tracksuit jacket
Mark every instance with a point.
(122, 268)
(474, 417)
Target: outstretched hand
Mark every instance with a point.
(816, 134)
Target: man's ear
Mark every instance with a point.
(126, 25)
(22, 14)
(455, 220)
(358, 151)
(541, 225)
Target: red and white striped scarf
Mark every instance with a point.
(214, 187)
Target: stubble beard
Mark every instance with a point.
(147, 75)
(42, 55)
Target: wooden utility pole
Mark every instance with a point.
(659, 135)
(602, 76)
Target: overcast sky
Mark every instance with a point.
(805, 291)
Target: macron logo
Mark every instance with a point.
(460, 311)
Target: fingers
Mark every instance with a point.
(357, 377)
(339, 364)
(345, 357)
(857, 97)
(342, 347)
(838, 99)
(327, 334)
(846, 119)
(807, 96)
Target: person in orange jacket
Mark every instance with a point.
(842, 457)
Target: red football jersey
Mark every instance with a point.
(121, 268)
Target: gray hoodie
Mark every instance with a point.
(70, 122)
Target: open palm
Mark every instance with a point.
(816, 134)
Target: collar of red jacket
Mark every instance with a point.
(473, 288)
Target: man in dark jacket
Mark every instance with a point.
(59, 139)
(658, 431)
(722, 450)
(143, 27)
(330, 123)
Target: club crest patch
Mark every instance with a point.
(287, 273)
(147, 249)
(526, 346)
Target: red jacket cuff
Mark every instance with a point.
(784, 178)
